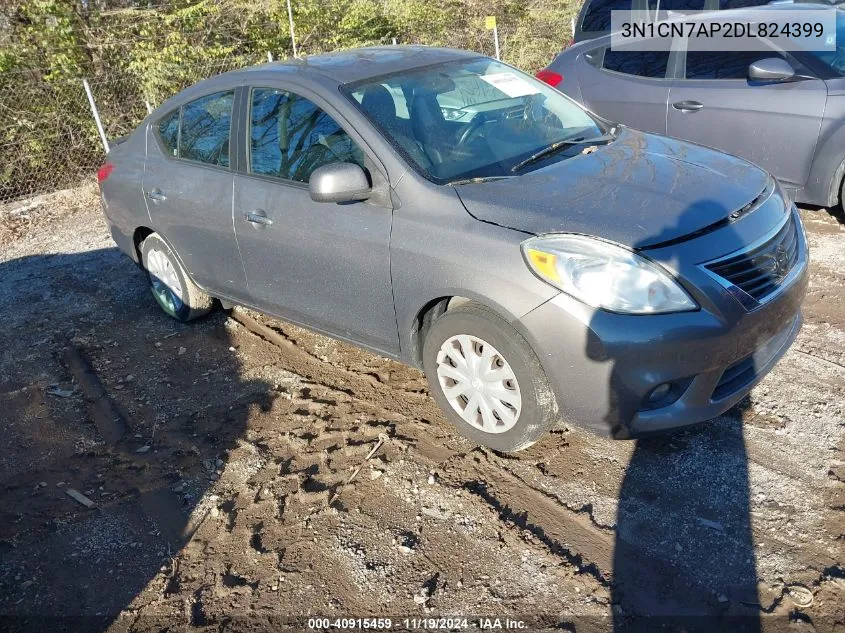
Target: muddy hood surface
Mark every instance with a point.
(639, 190)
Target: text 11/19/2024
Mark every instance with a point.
(416, 624)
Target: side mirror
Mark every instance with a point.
(771, 69)
(339, 182)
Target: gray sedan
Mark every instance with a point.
(451, 212)
(784, 111)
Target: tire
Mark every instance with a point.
(508, 354)
(842, 194)
(171, 286)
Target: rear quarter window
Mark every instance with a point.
(168, 132)
(740, 4)
(676, 5)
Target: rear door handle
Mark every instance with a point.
(156, 195)
(258, 218)
(688, 106)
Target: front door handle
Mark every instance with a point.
(258, 218)
(688, 106)
(156, 195)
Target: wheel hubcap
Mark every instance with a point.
(479, 383)
(165, 281)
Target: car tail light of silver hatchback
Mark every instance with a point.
(550, 77)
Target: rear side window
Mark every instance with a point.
(597, 16)
(168, 131)
(290, 137)
(206, 124)
(639, 63)
(723, 64)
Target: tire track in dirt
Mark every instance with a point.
(573, 536)
(591, 547)
(364, 387)
(571, 533)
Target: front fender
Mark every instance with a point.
(438, 250)
(828, 165)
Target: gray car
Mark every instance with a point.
(784, 111)
(537, 262)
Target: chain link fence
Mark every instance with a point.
(49, 140)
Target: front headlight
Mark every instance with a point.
(605, 275)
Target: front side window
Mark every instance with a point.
(290, 137)
(470, 118)
(723, 64)
(835, 59)
(640, 63)
(206, 124)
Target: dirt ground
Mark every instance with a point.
(217, 457)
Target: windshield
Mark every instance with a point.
(835, 59)
(474, 118)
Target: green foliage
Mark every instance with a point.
(134, 54)
(47, 33)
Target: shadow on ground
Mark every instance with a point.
(690, 488)
(111, 398)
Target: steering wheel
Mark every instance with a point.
(534, 112)
(472, 129)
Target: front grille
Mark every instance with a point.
(761, 270)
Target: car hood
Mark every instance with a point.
(639, 190)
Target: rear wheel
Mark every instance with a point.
(174, 291)
(487, 379)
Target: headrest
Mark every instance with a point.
(378, 102)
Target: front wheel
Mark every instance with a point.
(487, 379)
(174, 291)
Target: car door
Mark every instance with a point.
(626, 86)
(188, 190)
(320, 264)
(775, 125)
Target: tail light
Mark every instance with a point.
(550, 77)
(104, 172)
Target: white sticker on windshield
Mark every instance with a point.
(510, 84)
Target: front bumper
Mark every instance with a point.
(603, 366)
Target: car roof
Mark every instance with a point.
(780, 6)
(359, 64)
(739, 14)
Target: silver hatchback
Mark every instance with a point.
(781, 109)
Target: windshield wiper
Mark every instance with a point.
(476, 179)
(559, 145)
